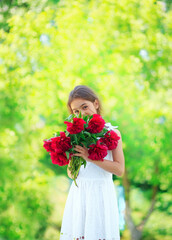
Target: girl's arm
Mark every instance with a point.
(117, 167)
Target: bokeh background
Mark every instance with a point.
(121, 49)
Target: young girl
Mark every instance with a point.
(91, 210)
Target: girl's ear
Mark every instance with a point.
(96, 103)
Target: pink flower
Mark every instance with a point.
(60, 158)
(110, 139)
(61, 143)
(97, 151)
(48, 145)
(76, 127)
(96, 124)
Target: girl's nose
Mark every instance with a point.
(82, 113)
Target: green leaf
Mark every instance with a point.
(86, 117)
(67, 133)
(82, 136)
(67, 154)
(80, 114)
(105, 130)
(85, 125)
(85, 143)
(87, 133)
(70, 117)
(94, 136)
(56, 134)
(90, 117)
(75, 137)
(85, 163)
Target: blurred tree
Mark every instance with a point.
(120, 49)
(8, 8)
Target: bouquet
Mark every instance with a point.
(89, 131)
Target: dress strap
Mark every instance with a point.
(109, 126)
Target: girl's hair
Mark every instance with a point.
(82, 91)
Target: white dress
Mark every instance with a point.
(91, 209)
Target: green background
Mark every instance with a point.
(122, 50)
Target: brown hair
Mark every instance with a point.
(82, 91)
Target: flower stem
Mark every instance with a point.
(75, 165)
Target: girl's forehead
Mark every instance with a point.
(78, 102)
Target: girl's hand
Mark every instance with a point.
(83, 152)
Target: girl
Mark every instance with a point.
(91, 210)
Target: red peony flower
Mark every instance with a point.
(96, 124)
(76, 127)
(60, 158)
(110, 139)
(61, 143)
(48, 145)
(97, 151)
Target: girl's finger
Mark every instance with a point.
(78, 154)
(79, 147)
(84, 146)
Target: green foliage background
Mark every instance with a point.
(121, 49)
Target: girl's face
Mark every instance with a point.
(86, 107)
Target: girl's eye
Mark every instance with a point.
(83, 107)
